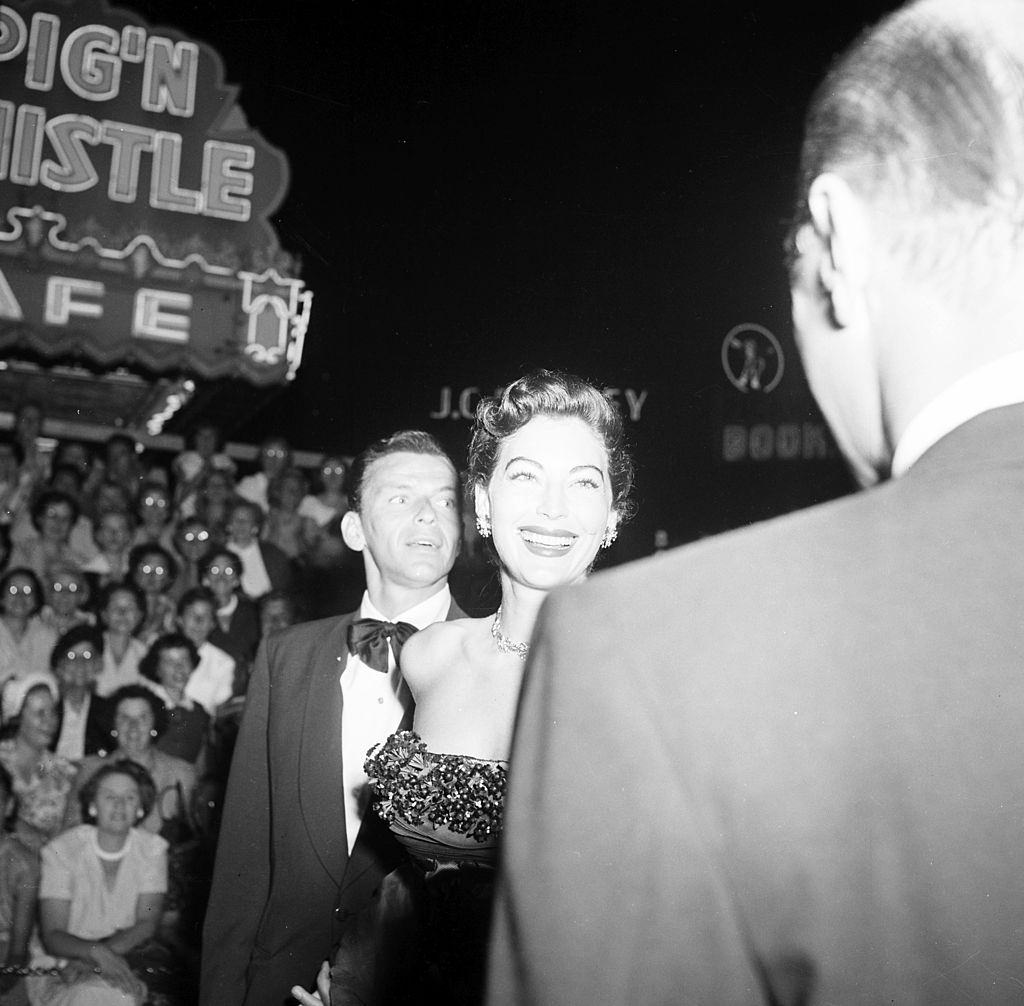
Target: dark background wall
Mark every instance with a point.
(482, 188)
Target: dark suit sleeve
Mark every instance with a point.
(607, 891)
(241, 873)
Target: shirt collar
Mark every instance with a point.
(433, 609)
(991, 386)
(229, 608)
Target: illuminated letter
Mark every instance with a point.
(635, 402)
(787, 441)
(75, 172)
(165, 194)
(42, 52)
(89, 63)
(13, 33)
(169, 78)
(466, 408)
(223, 183)
(28, 145)
(9, 306)
(60, 302)
(445, 406)
(762, 442)
(153, 317)
(816, 444)
(128, 142)
(6, 117)
(734, 442)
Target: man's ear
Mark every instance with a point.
(352, 531)
(839, 240)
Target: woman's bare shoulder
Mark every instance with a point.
(438, 645)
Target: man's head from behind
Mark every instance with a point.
(910, 215)
(404, 516)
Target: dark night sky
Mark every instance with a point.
(480, 188)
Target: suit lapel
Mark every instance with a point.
(321, 781)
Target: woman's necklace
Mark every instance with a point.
(504, 644)
(110, 857)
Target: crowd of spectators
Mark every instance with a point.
(134, 591)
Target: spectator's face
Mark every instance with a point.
(122, 613)
(198, 621)
(78, 667)
(409, 524)
(151, 573)
(218, 487)
(155, 507)
(174, 667)
(242, 526)
(206, 441)
(75, 454)
(29, 423)
(290, 494)
(118, 804)
(221, 576)
(275, 615)
(55, 521)
(114, 534)
(332, 473)
(65, 593)
(193, 539)
(38, 722)
(273, 457)
(134, 722)
(19, 597)
(111, 497)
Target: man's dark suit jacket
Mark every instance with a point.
(99, 721)
(785, 765)
(284, 880)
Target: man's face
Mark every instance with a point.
(274, 457)
(198, 621)
(409, 526)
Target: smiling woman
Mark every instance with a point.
(551, 481)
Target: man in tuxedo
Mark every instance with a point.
(784, 765)
(297, 851)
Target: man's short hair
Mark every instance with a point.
(923, 116)
(410, 441)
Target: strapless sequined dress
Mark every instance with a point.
(429, 925)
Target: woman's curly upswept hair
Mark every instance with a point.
(551, 393)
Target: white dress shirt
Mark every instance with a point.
(375, 703)
(255, 580)
(212, 682)
(71, 744)
(993, 386)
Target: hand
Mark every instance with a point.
(114, 969)
(322, 997)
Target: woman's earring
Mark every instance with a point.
(113, 733)
(483, 526)
(152, 733)
(610, 534)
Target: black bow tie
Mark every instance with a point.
(368, 640)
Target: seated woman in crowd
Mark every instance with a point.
(42, 780)
(19, 886)
(101, 894)
(212, 501)
(67, 597)
(83, 718)
(285, 526)
(154, 515)
(192, 540)
(54, 513)
(169, 665)
(238, 617)
(121, 607)
(140, 719)
(212, 681)
(26, 642)
(113, 533)
(153, 571)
